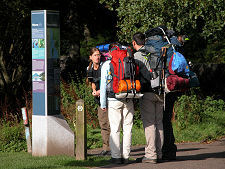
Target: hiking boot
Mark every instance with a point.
(127, 161)
(116, 160)
(171, 156)
(146, 160)
(104, 153)
(159, 160)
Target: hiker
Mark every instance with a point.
(151, 106)
(120, 113)
(94, 75)
(160, 48)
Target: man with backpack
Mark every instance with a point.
(151, 105)
(169, 72)
(120, 111)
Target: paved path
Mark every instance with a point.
(189, 156)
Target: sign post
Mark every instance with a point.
(51, 134)
(81, 131)
(27, 129)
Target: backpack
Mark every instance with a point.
(178, 65)
(175, 71)
(124, 72)
(155, 59)
(104, 49)
(179, 78)
(154, 63)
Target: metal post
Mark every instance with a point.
(81, 131)
(27, 129)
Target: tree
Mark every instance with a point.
(203, 20)
(15, 42)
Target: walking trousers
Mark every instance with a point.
(151, 106)
(120, 114)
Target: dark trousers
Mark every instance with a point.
(169, 146)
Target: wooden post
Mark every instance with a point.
(81, 131)
(27, 129)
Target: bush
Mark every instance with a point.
(72, 92)
(12, 137)
(198, 119)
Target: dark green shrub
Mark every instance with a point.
(72, 92)
(12, 137)
(198, 119)
(137, 115)
(188, 109)
(191, 110)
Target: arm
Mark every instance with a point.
(103, 85)
(144, 67)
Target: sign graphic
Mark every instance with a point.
(45, 62)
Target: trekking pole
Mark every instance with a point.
(164, 50)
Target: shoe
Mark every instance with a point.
(146, 160)
(169, 156)
(160, 160)
(127, 161)
(116, 160)
(104, 153)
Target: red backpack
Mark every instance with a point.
(124, 72)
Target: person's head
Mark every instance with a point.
(95, 55)
(138, 40)
(182, 39)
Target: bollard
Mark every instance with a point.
(81, 131)
(27, 129)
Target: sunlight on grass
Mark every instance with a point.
(22, 160)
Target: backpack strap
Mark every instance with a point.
(166, 37)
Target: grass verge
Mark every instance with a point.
(22, 160)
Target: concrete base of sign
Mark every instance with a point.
(51, 135)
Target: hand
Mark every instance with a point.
(98, 93)
(94, 93)
(104, 109)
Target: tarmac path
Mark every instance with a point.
(189, 156)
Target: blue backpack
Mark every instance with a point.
(178, 65)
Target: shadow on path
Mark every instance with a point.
(201, 156)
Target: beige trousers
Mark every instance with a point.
(120, 115)
(151, 107)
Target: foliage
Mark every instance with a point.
(137, 114)
(199, 119)
(212, 53)
(24, 160)
(12, 137)
(182, 16)
(94, 41)
(72, 92)
(15, 42)
(15, 62)
(202, 21)
(94, 138)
